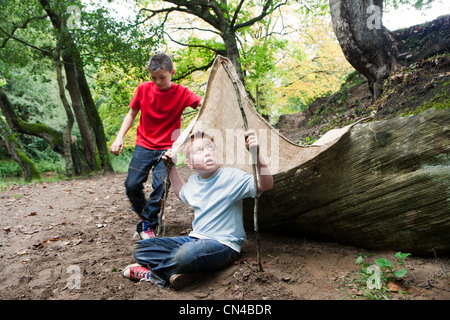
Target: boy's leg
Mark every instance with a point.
(141, 163)
(138, 170)
(150, 253)
(198, 255)
(153, 206)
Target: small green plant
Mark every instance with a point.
(388, 269)
(374, 278)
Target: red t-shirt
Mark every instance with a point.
(161, 113)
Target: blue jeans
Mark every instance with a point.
(141, 163)
(166, 256)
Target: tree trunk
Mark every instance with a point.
(77, 105)
(83, 105)
(94, 117)
(16, 124)
(229, 39)
(70, 119)
(29, 170)
(54, 138)
(382, 185)
(366, 43)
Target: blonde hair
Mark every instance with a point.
(192, 138)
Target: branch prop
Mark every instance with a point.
(161, 231)
(254, 155)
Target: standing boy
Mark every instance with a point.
(161, 104)
(218, 231)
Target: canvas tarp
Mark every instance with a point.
(221, 118)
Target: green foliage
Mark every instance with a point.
(259, 60)
(196, 55)
(108, 41)
(418, 4)
(27, 71)
(374, 278)
(113, 92)
(308, 71)
(35, 95)
(314, 7)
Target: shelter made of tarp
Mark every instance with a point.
(221, 118)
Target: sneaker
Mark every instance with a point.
(136, 272)
(146, 231)
(147, 234)
(180, 280)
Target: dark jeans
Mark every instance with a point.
(141, 163)
(166, 256)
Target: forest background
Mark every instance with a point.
(68, 70)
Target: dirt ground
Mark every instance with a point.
(70, 240)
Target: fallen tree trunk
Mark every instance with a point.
(382, 185)
(378, 185)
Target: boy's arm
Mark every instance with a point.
(265, 181)
(117, 145)
(175, 180)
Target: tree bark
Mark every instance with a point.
(77, 105)
(366, 43)
(229, 39)
(67, 141)
(9, 139)
(16, 124)
(382, 185)
(29, 170)
(93, 116)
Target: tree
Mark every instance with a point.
(70, 49)
(366, 43)
(10, 142)
(39, 12)
(372, 49)
(227, 18)
(89, 122)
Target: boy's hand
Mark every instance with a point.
(265, 179)
(168, 158)
(251, 141)
(116, 147)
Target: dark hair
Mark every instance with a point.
(160, 61)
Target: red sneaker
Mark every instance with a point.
(147, 234)
(136, 272)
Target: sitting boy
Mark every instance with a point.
(216, 194)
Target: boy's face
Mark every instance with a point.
(202, 157)
(162, 78)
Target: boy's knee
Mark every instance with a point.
(132, 187)
(183, 255)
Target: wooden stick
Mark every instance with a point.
(254, 155)
(161, 228)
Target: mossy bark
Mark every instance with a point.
(10, 142)
(384, 185)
